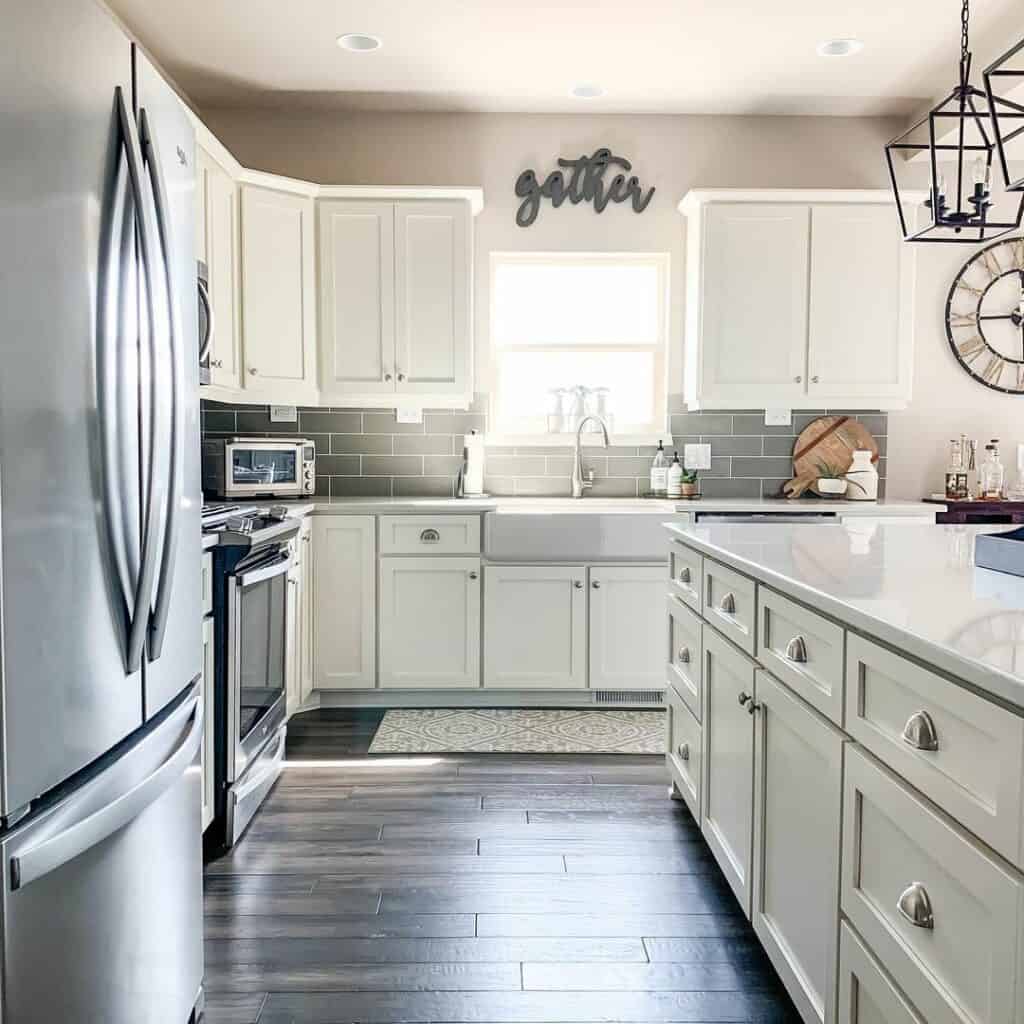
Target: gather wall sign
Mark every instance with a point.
(581, 181)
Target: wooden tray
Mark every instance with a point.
(831, 440)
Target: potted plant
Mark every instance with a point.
(688, 484)
(832, 481)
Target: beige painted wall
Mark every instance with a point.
(674, 154)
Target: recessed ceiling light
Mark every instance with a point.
(358, 42)
(839, 47)
(586, 91)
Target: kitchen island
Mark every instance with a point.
(846, 726)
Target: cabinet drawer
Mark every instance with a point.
(803, 649)
(942, 915)
(684, 750)
(686, 574)
(957, 748)
(866, 993)
(685, 657)
(207, 579)
(430, 535)
(729, 603)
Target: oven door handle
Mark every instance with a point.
(266, 572)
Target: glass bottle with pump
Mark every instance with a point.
(659, 472)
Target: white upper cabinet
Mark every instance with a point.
(395, 300)
(278, 297)
(217, 246)
(797, 300)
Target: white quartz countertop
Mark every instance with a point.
(913, 587)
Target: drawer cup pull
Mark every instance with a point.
(684, 575)
(429, 536)
(684, 751)
(683, 657)
(915, 906)
(727, 605)
(796, 650)
(920, 732)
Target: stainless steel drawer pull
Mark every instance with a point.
(743, 698)
(474, 575)
(727, 605)
(920, 732)
(684, 751)
(796, 650)
(684, 575)
(429, 536)
(683, 657)
(578, 584)
(596, 584)
(915, 906)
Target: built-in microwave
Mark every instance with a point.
(255, 467)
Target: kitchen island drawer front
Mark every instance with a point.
(803, 649)
(685, 654)
(866, 994)
(686, 568)
(430, 535)
(729, 603)
(962, 751)
(944, 916)
(684, 750)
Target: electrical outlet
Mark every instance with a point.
(284, 414)
(408, 415)
(778, 417)
(697, 456)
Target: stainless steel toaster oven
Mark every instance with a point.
(251, 467)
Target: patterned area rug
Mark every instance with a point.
(519, 731)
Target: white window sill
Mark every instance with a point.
(564, 440)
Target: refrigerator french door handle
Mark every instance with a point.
(207, 339)
(33, 862)
(147, 547)
(165, 580)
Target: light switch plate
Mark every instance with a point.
(283, 414)
(408, 415)
(697, 456)
(778, 417)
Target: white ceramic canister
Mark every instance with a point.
(862, 477)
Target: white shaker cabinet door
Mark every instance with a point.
(727, 807)
(278, 296)
(752, 320)
(798, 786)
(861, 305)
(535, 632)
(430, 622)
(344, 620)
(433, 270)
(628, 627)
(357, 297)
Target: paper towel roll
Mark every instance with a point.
(473, 447)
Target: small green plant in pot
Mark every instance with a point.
(832, 480)
(688, 485)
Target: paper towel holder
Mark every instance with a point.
(465, 475)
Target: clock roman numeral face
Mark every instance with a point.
(985, 316)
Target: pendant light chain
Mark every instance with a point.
(965, 17)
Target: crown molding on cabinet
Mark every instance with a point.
(698, 197)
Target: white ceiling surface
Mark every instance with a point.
(651, 56)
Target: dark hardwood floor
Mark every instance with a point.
(474, 888)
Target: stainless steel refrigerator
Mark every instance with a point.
(100, 618)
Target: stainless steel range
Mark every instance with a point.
(255, 550)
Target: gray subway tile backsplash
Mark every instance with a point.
(367, 453)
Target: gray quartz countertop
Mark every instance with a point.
(913, 587)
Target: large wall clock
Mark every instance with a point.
(985, 316)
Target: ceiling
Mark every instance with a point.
(650, 56)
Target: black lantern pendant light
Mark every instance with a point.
(1007, 115)
(957, 132)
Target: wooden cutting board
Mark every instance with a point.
(828, 440)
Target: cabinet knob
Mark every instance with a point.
(401, 377)
(814, 379)
(915, 906)
(728, 604)
(683, 657)
(797, 379)
(684, 751)
(217, 363)
(578, 584)
(474, 575)
(753, 706)
(920, 732)
(743, 698)
(684, 575)
(387, 376)
(796, 650)
(253, 371)
(596, 584)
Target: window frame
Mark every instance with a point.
(650, 433)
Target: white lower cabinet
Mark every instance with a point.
(627, 627)
(206, 698)
(430, 622)
(727, 804)
(866, 993)
(535, 629)
(798, 771)
(344, 595)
